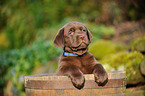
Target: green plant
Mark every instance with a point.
(99, 30)
(102, 48)
(138, 44)
(17, 63)
(23, 19)
(125, 61)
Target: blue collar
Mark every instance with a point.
(71, 54)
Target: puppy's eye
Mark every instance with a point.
(83, 30)
(70, 32)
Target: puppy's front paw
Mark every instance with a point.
(101, 78)
(100, 75)
(78, 82)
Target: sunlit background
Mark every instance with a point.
(28, 27)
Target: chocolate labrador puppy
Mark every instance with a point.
(75, 61)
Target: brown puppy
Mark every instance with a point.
(74, 38)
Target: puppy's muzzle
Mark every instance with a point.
(81, 37)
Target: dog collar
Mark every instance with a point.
(71, 54)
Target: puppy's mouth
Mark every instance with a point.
(81, 47)
(79, 51)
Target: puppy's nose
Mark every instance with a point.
(82, 37)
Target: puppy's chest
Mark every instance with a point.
(85, 66)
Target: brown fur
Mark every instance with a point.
(74, 38)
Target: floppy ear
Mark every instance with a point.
(59, 39)
(90, 37)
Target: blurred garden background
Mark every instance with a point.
(28, 27)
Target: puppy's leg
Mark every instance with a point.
(100, 75)
(74, 74)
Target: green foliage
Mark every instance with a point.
(24, 18)
(124, 61)
(102, 48)
(3, 41)
(20, 30)
(17, 63)
(99, 30)
(138, 44)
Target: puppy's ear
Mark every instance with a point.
(90, 37)
(59, 39)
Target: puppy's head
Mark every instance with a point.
(74, 37)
